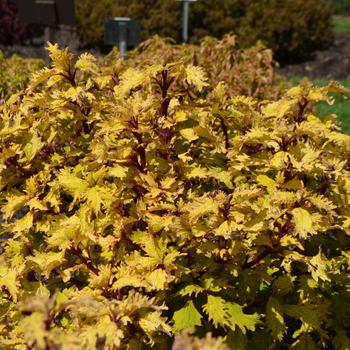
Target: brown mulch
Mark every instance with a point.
(331, 63)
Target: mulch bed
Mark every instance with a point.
(332, 63)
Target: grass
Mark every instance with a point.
(341, 24)
(341, 107)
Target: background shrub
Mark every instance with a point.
(11, 29)
(341, 7)
(291, 27)
(157, 17)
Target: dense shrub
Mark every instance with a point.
(291, 27)
(135, 208)
(15, 73)
(341, 7)
(248, 72)
(157, 17)
(12, 29)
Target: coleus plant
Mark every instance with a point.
(249, 71)
(15, 73)
(136, 208)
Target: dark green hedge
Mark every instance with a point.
(291, 28)
(341, 7)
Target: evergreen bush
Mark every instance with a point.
(292, 28)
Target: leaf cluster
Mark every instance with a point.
(141, 202)
(15, 73)
(249, 72)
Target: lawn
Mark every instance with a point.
(341, 24)
(341, 106)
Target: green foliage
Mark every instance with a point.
(290, 27)
(15, 73)
(141, 201)
(341, 7)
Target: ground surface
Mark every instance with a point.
(331, 63)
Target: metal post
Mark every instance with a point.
(122, 40)
(185, 7)
(48, 37)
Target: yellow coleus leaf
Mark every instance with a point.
(153, 322)
(275, 318)
(86, 62)
(47, 261)
(196, 76)
(10, 281)
(303, 222)
(237, 318)
(53, 80)
(266, 181)
(201, 206)
(187, 317)
(216, 309)
(61, 59)
(157, 223)
(96, 197)
(118, 171)
(278, 109)
(72, 184)
(23, 224)
(316, 94)
(189, 134)
(32, 148)
(101, 280)
(318, 267)
(180, 116)
(14, 203)
(33, 329)
(157, 279)
(295, 91)
(129, 80)
(220, 90)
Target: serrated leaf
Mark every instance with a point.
(72, 184)
(32, 147)
(275, 319)
(11, 283)
(303, 222)
(269, 183)
(217, 311)
(196, 76)
(189, 134)
(157, 279)
(237, 318)
(118, 171)
(187, 317)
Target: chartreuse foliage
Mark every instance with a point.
(135, 209)
(15, 73)
(248, 71)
